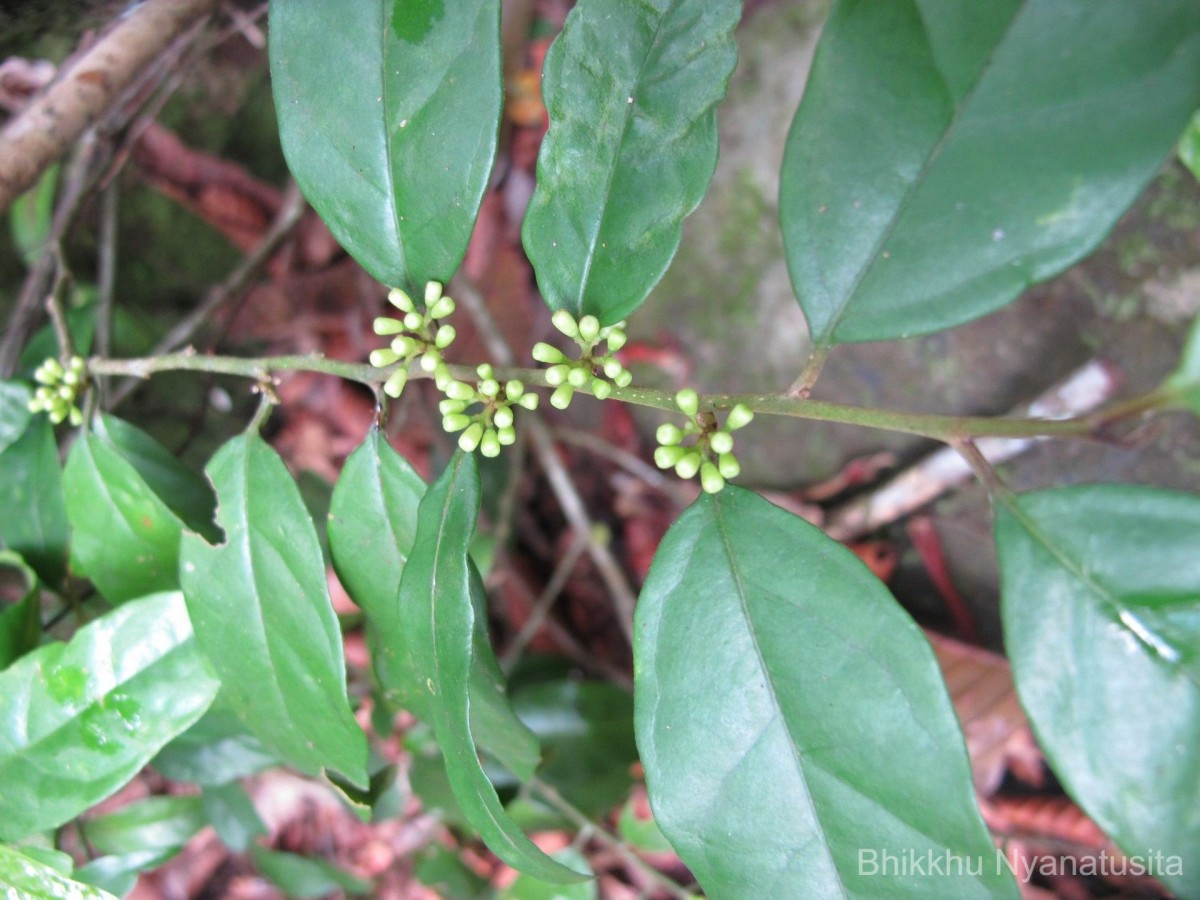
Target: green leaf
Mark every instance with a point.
(389, 114)
(216, 750)
(78, 720)
(632, 90)
(119, 874)
(444, 872)
(1183, 386)
(643, 834)
(586, 733)
(527, 888)
(156, 823)
(300, 876)
(948, 154)
(34, 523)
(372, 522)
(791, 717)
(438, 618)
(1101, 609)
(32, 215)
(262, 614)
(187, 494)
(22, 877)
(124, 537)
(20, 623)
(230, 812)
(1189, 146)
(14, 411)
(372, 526)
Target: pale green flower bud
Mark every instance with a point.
(384, 325)
(405, 345)
(602, 390)
(53, 368)
(433, 292)
(441, 376)
(710, 479)
(545, 353)
(430, 360)
(668, 434)
(624, 379)
(561, 398)
(728, 465)
(457, 390)
(401, 300)
(442, 308)
(577, 378)
(448, 407)
(489, 388)
(507, 436)
(414, 321)
(455, 422)
(70, 377)
(612, 367)
(589, 329)
(469, 439)
(490, 445)
(445, 337)
(667, 457)
(75, 416)
(688, 402)
(565, 322)
(739, 417)
(529, 401)
(514, 390)
(58, 414)
(616, 340)
(394, 386)
(485, 370)
(502, 417)
(384, 356)
(689, 464)
(76, 364)
(721, 441)
(556, 375)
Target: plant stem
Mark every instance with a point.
(947, 429)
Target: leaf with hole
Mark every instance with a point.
(948, 154)
(389, 115)
(632, 91)
(1101, 610)
(813, 726)
(262, 614)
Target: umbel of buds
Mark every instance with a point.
(58, 388)
(417, 335)
(484, 412)
(596, 366)
(711, 453)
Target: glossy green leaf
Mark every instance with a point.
(22, 877)
(78, 720)
(632, 90)
(124, 536)
(1101, 609)
(20, 623)
(262, 614)
(228, 809)
(791, 717)
(59, 861)
(948, 154)
(1183, 386)
(389, 114)
(34, 522)
(186, 492)
(14, 411)
(216, 750)
(438, 618)
(372, 521)
(372, 526)
(155, 823)
(301, 876)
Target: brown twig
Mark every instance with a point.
(46, 129)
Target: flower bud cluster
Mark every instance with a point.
(484, 413)
(711, 454)
(596, 366)
(58, 389)
(417, 335)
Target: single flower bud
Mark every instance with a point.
(561, 398)
(384, 325)
(688, 402)
(565, 322)
(710, 479)
(601, 389)
(728, 465)
(721, 441)
(502, 417)
(394, 386)
(445, 337)
(668, 434)
(739, 417)
(449, 407)
(489, 446)
(458, 390)
(577, 378)
(384, 356)
(507, 436)
(455, 422)
(589, 329)
(529, 401)
(556, 375)
(433, 292)
(469, 439)
(666, 457)
(401, 300)
(514, 390)
(689, 464)
(616, 340)
(442, 308)
(414, 321)
(545, 353)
